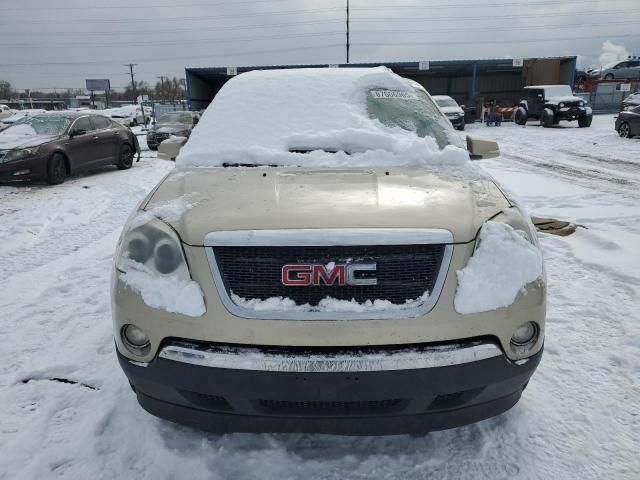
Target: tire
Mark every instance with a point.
(625, 130)
(546, 119)
(125, 159)
(609, 76)
(521, 116)
(153, 148)
(585, 121)
(56, 169)
(461, 127)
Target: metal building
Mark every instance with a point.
(470, 82)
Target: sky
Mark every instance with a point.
(47, 44)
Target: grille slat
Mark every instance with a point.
(404, 272)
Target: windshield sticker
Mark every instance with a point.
(402, 94)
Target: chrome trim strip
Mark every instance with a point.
(254, 359)
(324, 237)
(327, 237)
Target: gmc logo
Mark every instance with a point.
(316, 275)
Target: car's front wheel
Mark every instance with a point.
(461, 126)
(125, 160)
(546, 120)
(521, 116)
(585, 121)
(609, 76)
(56, 169)
(625, 130)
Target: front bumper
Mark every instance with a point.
(456, 121)
(23, 169)
(573, 113)
(348, 392)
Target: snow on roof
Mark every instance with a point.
(258, 116)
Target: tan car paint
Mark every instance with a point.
(242, 198)
(284, 198)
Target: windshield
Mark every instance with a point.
(445, 102)
(413, 111)
(178, 117)
(40, 125)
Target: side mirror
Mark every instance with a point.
(463, 107)
(481, 148)
(77, 131)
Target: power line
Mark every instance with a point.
(174, 19)
(172, 42)
(183, 57)
(487, 42)
(151, 5)
(492, 17)
(164, 31)
(483, 5)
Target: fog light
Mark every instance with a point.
(525, 335)
(135, 339)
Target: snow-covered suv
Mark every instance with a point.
(552, 103)
(326, 258)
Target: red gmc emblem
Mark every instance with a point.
(297, 275)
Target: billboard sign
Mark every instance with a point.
(98, 84)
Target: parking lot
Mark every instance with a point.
(68, 410)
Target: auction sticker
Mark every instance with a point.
(401, 94)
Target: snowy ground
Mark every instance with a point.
(579, 417)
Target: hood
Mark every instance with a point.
(171, 127)
(564, 99)
(219, 199)
(9, 140)
(451, 110)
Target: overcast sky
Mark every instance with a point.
(59, 43)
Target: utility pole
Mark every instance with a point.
(133, 82)
(162, 77)
(347, 31)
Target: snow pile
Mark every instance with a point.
(260, 116)
(327, 304)
(502, 265)
(170, 293)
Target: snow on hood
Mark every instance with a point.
(259, 116)
(563, 99)
(22, 136)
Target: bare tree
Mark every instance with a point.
(6, 91)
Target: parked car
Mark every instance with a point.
(451, 109)
(628, 122)
(632, 100)
(5, 112)
(552, 103)
(625, 70)
(177, 124)
(53, 145)
(320, 261)
(129, 115)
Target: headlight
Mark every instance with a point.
(581, 104)
(153, 246)
(519, 221)
(561, 104)
(20, 154)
